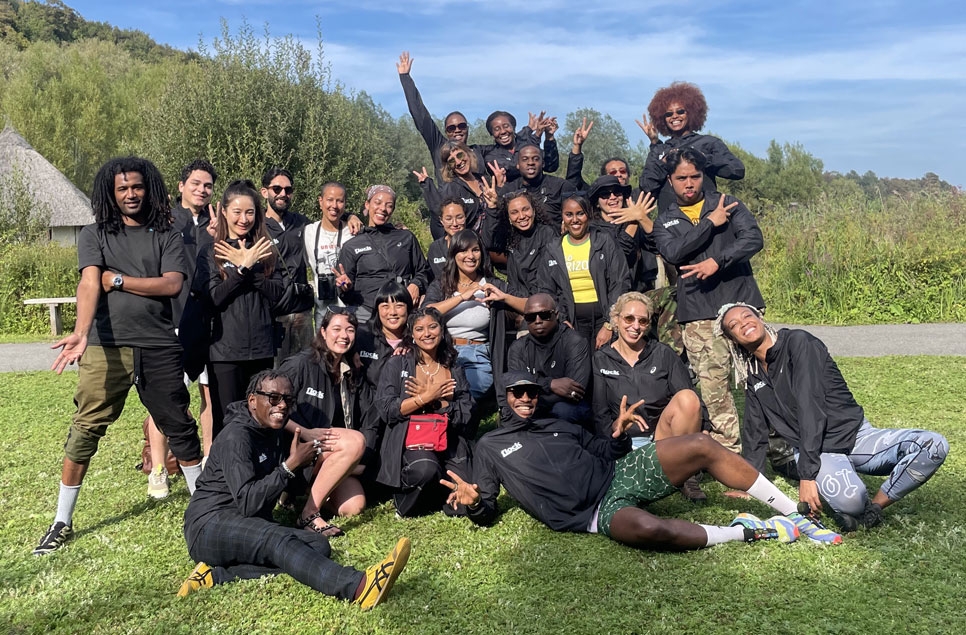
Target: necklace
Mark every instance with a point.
(466, 285)
(428, 374)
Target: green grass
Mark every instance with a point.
(121, 572)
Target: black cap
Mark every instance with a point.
(607, 182)
(514, 378)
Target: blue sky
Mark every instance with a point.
(874, 85)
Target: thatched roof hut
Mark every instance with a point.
(70, 209)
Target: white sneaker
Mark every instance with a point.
(158, 482)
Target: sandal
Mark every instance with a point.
(328, 530)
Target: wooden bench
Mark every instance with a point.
(56, 323)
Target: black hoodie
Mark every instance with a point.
(558, 472)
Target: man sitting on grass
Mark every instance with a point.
(597, 484)
(229, 523)
(793, 386)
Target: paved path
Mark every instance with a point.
(843, 341)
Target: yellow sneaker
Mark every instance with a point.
(201, 578)
(380, 577)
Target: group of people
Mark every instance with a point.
(540, 299)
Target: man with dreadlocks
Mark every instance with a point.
(132, 266)
(793, 385)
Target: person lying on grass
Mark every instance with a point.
(228, 523)
(793, 386)
(596, 484)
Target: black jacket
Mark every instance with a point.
(732, 245)
(507, 157)
(437, 255)
(374, 351)
(523, 259)
(608, 269)
(390, 395)
(656, 377)
(379, 254)
(548, 190)
(242, 476)
(564, 354)
(558, 472)
(290, 242)
(804, 398)
(639, 251)
(240, 305)
(721, 162)
(195, 236)
(476, 209)
(317, 400)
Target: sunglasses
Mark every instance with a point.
(529, 391)
(543, 315)
(609, 193)
(335, 309)
(671, 113)
(453, 127)
(276, 398)
(616, 171)
(278, 189)
(630, 319)
(456, 157)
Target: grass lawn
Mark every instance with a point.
(121, 572)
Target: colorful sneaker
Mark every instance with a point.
(54, 539)
(158, 482)
(814, 530)
(202, 577)
(380, 577)
(777, 528)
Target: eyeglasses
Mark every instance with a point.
(671, 113)
(278, 189)
(616, 171)
(456, 157)
(628, 320)
(453, 127)
(543, 315)
(276, 398)
(529, 391)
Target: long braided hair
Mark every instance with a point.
(155, 204)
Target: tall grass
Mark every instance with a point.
(855, 261)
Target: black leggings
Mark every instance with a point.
(227, 382)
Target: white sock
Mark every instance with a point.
(718, 535)
(765, 491)
(191, 474)
(66, 501)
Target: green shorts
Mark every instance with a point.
(638, 480)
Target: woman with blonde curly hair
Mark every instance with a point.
(637, 367)
(679, 111)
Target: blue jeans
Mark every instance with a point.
(909, 457)
(475, 360)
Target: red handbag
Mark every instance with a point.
(427, 432)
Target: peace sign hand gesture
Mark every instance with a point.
(648, 128)
(581, 134)
(627, 417)
(462, 493)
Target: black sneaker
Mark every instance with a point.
(872, 515)
(846, 522)
(54, 539)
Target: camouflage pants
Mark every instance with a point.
(664, 324)
(712, 364)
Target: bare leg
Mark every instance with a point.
(159, 443)
(348, 498)
(682, 416)
(682, 457)
(204, 417)
(72, 474)
(344, 449)
(637, 528)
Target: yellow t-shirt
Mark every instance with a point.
(578, 268)
(693, 212)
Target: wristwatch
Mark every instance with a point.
(118, 282)
(241, 269)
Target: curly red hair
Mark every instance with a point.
(684, 93)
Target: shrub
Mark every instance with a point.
(36, 271)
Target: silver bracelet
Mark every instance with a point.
(289, 473)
